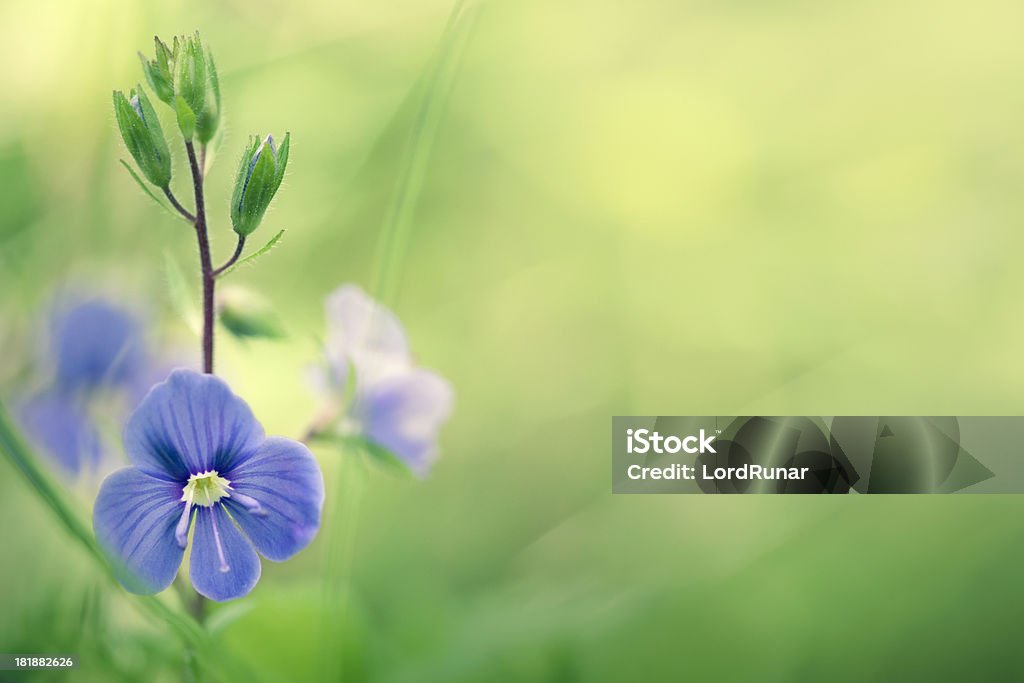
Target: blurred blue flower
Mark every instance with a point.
(364, 334)
(199, 453)
(56, 423)
(395, 405)
(94, 344)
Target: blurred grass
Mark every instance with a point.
(653, 207)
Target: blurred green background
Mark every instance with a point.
(653, 207)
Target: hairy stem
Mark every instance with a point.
(186, 214)
(198, 606)
(234, 257)
(209, 276)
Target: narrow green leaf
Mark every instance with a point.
(435, 86)
(145, 188)
(256, 254)
(20, 456)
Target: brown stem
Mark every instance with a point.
(208, 276)
(177, 205)
(234, 257)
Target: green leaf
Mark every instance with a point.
(145, 188)
(182, 299)
(246, 315)
(256, 254)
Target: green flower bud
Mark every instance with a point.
(196, 82)
(190, 73)
(158, 71)
(209, 118)
(140, 129)
(259, 175)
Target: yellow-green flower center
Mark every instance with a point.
(205, 489)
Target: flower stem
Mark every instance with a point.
(178, 207)
(234, 257)
(340, 555)
(209, 276)
(206, 263)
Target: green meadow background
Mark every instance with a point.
(579, 209)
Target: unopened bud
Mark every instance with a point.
(142, 135)
(197, 86)
(259, 175)
(158, 71)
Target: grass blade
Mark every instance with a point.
(435, 86)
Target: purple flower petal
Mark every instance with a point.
(95, 343)
(134, 520)
(58, 426)
(224, 564)
(276, 498)
(364, 333)
(404, 413)
(189, 424)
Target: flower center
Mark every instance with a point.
(205, 489)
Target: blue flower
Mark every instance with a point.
(95, 344)
(57, 424)
(199, 453)
(396, 405)
(364, 334)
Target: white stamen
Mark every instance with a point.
(205, 488)
(250, 504)
(224, 568)
(181, 531)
